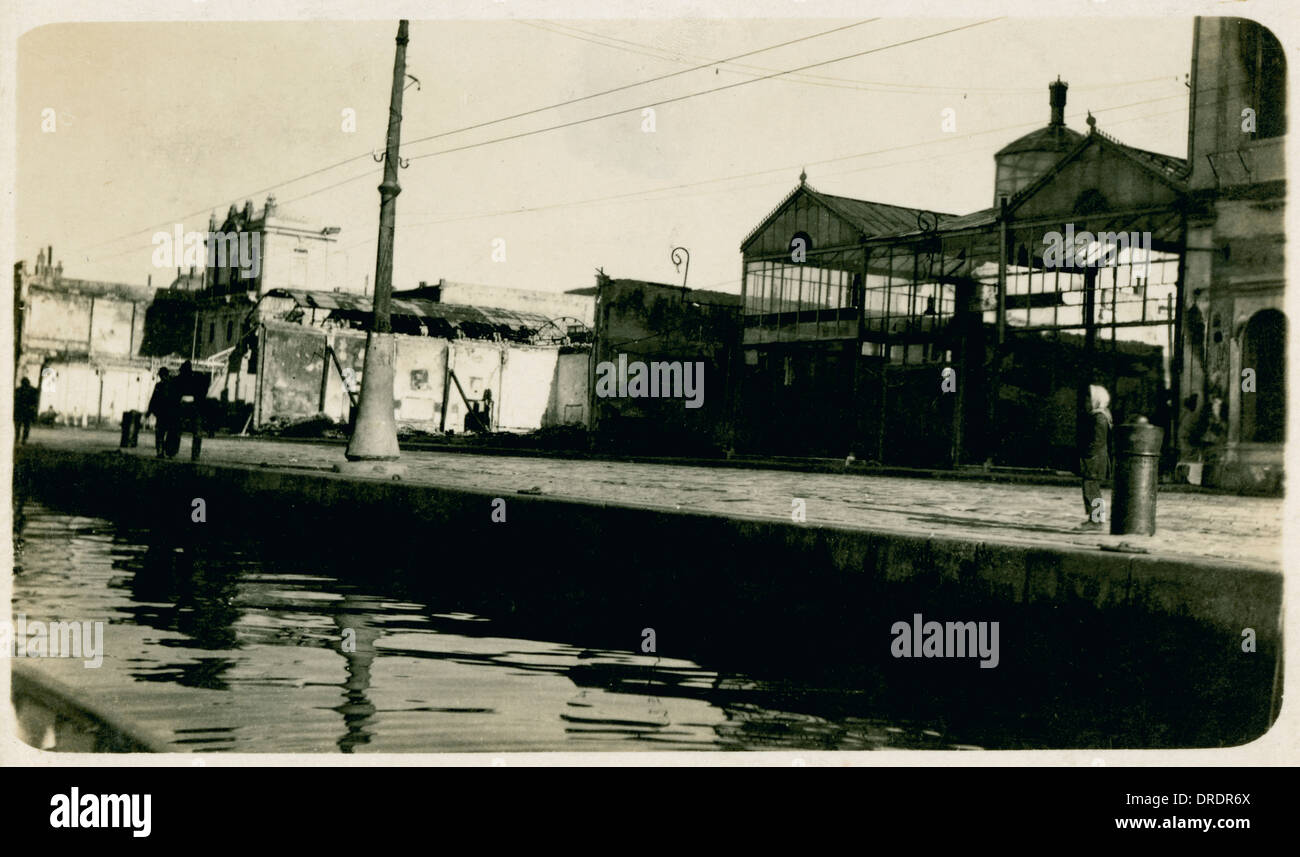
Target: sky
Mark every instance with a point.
(161, 123)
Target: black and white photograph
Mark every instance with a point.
(513, 386)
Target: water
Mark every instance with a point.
(217, 648)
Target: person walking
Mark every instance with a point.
(26, 403)
(191, 393)
(162, 409)
(1094, 455)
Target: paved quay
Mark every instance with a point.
(1190, 525)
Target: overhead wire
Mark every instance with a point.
(487, 123)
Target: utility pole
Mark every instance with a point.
(374, 437)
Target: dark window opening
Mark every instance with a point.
(1265, 63)
(1263, 412)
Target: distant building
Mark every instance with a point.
(293, 253)
(928, 339)
(79, 342)
(286, 252)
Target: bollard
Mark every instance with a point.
(130, 429)
(1137, 472)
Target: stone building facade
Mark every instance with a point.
(1234, 322)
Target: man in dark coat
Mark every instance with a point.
(1094, 455)
(26, 403)
(163, 409)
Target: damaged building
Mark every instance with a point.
(302, 355)
(79, 342)
(857, 312)
(285, 343)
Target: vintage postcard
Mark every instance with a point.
(508, 385)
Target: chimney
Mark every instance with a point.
(1057, 91)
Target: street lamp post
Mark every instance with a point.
(679, 254)
(374, 437)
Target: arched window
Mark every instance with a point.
(1265, 90)
(1263, 412)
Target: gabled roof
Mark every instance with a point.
(882, 220)
(877, 218)
(870, 219)
(1166, 168)
(1177, 168)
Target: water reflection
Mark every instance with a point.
(229, 646)
(357, 635)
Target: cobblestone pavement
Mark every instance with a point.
(1188, 524)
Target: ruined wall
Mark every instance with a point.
(113, 327)
(291, 361)
(418, 381)
(529, 377)
(82, 394)
(298, 380)
(75, 322)
(567, 404)
(57, 322)
(85, 343)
